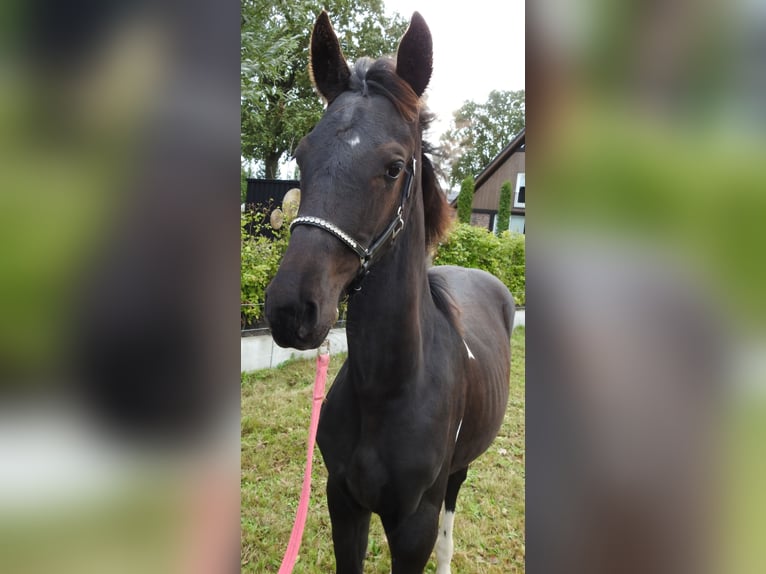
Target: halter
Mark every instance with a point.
(367, 255)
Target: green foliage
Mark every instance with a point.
(244, 173)
(511, 264)
(260, 257)
(479, 132)
(478, 248)
(465, 200)
(278, 103)
(466, 246)
(259, 260)
(504, 207)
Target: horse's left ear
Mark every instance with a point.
(414, 58)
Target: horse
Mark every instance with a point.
(424, 388)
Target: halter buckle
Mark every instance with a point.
(399, 224)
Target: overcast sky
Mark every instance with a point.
(478, 47)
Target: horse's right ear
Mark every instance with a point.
(414, 58)
(328, 69)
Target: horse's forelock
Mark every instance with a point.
(380, 77)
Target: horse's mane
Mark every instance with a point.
(380, 77)
(444, 301)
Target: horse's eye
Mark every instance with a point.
(394, 170)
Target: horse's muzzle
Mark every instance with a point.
(295, 324)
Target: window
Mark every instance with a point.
(520, 197)
(517, 224)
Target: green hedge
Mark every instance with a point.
(259, 260)
(503, 255)
(466, 246)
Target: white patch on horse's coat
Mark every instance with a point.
(444, 545)
(457, 434)
(467, 348)
(354, 140)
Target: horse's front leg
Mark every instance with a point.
(412, 539)
(350, 528)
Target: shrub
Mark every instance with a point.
(261, 251)
(476, 247)
(259, 260)
(465, 200)
(504, 208)
(466, 246)
(511, 268)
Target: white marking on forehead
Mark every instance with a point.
(353, 140)
(467, 348)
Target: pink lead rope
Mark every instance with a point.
(291, 554)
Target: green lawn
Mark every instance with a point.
(740, 504)
(276, 403)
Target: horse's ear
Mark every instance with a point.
(414, 58)
(328, 69)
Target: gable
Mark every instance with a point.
(487, 194)
(504, 167)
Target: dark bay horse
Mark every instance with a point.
(425, 386)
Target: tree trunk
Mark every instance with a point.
(272, 165)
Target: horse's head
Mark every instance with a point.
(358, 167)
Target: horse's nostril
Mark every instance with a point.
(311, 311)
(308, 320)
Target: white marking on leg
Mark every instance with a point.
(467, 348)
(457, 434)
(444, 546)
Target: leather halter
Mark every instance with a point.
(367, 255)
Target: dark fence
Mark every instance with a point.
(266, 195)
(265, 192)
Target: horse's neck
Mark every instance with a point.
(386, 318)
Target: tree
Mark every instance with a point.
(244, 173)
(479, 132)
(504, 208)
(465, 200)
(278, 103)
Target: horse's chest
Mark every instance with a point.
(390, 476)
(387, 460)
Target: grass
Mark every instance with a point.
(276, 404)
(740, 527)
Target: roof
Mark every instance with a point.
(518, 143)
